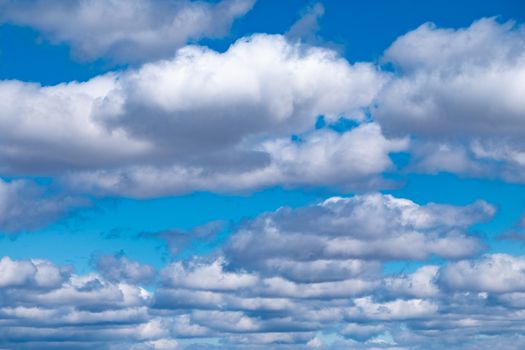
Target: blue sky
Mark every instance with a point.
(247, 174)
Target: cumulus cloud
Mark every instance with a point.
(49, 130)
(458, 93)
(207, 277)
(126, 31)
(370, 227)
(262, 85)
(496, 273)
(421, 283)
(485, 62)
(202, 120)
(366, 308)
(33, 273)
(120, 268)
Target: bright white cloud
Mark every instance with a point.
(459, 93)
(32, 273)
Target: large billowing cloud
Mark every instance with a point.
(464, 82)
(459, 93)
(202, 120)
(125, 30)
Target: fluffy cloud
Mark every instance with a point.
(370, 227)
(459, 94)
(49, 130)
(120, 268)
(203, 102)
(127, 31)
(421, 283)
(207, 277)
(36, 273)
(496, 273)
(471, 88)
(202, 120)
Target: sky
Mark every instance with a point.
(260, 174)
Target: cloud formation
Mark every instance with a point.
(202, 120)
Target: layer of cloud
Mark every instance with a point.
(284, 294)
(126, 31)
(204, 305)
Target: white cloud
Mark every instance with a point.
(261, 86)
(32, 273)
(495, 273)
(202, 120)
(120, 268)
(371, 227)
(50, 130)
(458, 92)
(44, 303)
(420, 283)
(207, 277)
(397, 309)
(126, 31)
